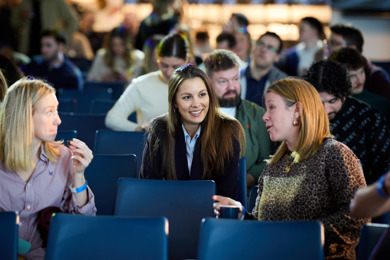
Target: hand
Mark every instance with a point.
(81, 155)
(142, 128)
(221, 200)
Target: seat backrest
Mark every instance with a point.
(102, 106)
(85, 125)
(120, 142)
(235, 239)
(370, 234)
(242, 189)
(184, 203)
(102, 175)
(252, 198)
(80, 237)
(80, 101)
(117, 87)
(8, 236)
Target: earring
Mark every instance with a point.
(295, 122)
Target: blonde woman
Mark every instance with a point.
(311, 176)
(37, 173)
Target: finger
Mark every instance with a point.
(80, 163)
(223, 200)
(79, 144)
(82, 160)
(82, 152)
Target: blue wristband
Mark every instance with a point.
(243, 213)
(379, 187)
(79, 189)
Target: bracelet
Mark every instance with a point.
(379, 187)
(79, 189)
(243, 213)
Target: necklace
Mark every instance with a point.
(295, 157)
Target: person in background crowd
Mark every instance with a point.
(262, 71)
(10, 70)
(237, 25)
(117, 61)
(52, 65)
(355, 64)
(131, 23)
(361, 128)
(225, 41)
(223, 69)
(79, 46)
(148, 94)
(202, 43)
(30, 18)
(243, 47)
(373, 200)
(150, 51)
(311, 176)
(194, 141)
(87, 21)
(162, 20)
(235, 22)
(38, 174)
(297, 60)
(346, 35)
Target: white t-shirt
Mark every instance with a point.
(147, 95)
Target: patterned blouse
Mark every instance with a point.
(318, 188)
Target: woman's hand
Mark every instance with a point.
(225, 201)
(81, 155)
(142, 128)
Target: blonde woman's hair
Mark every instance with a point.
(3, 86)
(16, 124)
(313, 120)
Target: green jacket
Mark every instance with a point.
(258, 144)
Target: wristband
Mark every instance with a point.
(379, 187)
(79, 189)
(243, 213)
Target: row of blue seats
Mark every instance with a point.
(125, 237)
(128, 146)
(86, 126)
(96, 97)
(184, 204)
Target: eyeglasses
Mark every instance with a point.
(268, 47)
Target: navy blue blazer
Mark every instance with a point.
(226, 185)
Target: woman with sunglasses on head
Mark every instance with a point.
(194, 141)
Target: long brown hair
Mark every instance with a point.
(218, 130)
(109, 55)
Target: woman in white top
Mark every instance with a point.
(117, 62)
(148, 94)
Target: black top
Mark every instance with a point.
(226, 185)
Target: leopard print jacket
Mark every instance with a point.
(318, 188)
